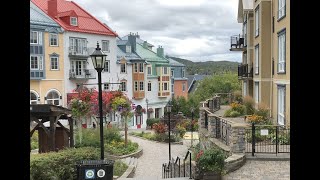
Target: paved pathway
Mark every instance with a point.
(154, 155)
(261, 170)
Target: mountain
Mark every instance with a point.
(208, 67)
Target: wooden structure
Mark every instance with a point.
(51, 138)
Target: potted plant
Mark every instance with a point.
(210, 164)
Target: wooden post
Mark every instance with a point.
(71, 131)
(52, 133)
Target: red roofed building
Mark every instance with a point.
(82, 32)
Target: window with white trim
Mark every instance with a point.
(281, 52)
(54, 63)
(33, 98)
(183, 87)
(165, 70)
(73, 21)
(123, 68)
(53, 39)
(35, 37)
(107, 66)
(135, 67)
(135, 86)
(149, 70)
(105, 46)
(36, 62)
(140, 67)
(53, 98)
(256, 20)
(244, 88)
(141, 86)
(183, 73)
(78, 67)
(281, 104)
(256, 92)
(78, 46)
(123, 86)
(256, 59)
(128, 49)
(172, 73)
(165, 86)
(149, 86)
(281, 8)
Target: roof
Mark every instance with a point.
(193, 78)
(37, 16)
(149, 55)
(138, 40)
(247, 4)
(244, 5)
(175, 63)
(127, 56)
(86, 22)
(122, 42)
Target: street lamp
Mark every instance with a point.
(147, 108)
(191, 125)
(169, 107)
(98, 61)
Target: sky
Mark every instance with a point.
(197, 30)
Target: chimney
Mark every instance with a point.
(160, 51)
(145, 44)
(138, 36)
(52, 8)
(132, 41)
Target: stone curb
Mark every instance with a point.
(268, 157)
(136, 154)
(181, 142)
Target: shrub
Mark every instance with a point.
(119, 168)
(90, 138)
(159, 128)
(254, 119)
(249, 103)
(118, 148)
(263, 111)
(152, 121)
(237, 96)
(211, 160)
(234, 114)
(112, 134)
(227, 113)
(35, 140)
(181, 131)
(59, 165)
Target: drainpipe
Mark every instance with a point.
(272, 64)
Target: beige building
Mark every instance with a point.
(265, 46)
(46, 59)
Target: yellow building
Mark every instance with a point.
(265, 47)
(46, 59)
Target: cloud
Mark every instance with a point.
(198, 29)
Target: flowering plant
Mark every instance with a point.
(211, 160)
(254, 118)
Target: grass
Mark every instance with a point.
(119, 168)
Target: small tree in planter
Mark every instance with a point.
(210, 164)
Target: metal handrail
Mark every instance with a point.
(167, 167)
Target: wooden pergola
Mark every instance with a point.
(41, 113)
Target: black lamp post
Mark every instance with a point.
(191, 125)
(147, 101)
(169, 107)
(98, 60)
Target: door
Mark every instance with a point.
(139, 121)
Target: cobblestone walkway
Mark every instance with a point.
(261, 170)
(154, 155)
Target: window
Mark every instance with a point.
(281, 8)
(123, 86)
(256, 59)
(107, 66)
(141, 67)
(35, 37)
(165, 70)
(135, 67)
(256, 15)
(159, 86)
(33, 98)
(172, 73)
(74, 21)
(256, 92)
(141, 86)
(183, 87)
(128, 49)
(36, 63)
(78, 46)
(282, 52)
(244, 88)
(105, 45)
(53, 39)
(149, 86)
(281, 104)
(53, 98)
(106, 86)
(149, 70)
(165, 87)
(54, 62)
(135, 86)
(245, 33)
(78, 68)
(182, 73)
(123, 68)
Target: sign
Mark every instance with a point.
(264, 132)
(89, 174)
(101, 173)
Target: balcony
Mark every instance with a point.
(237, 43)
(78, 51)
(82, 74)
(245, 71)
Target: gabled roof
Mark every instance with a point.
(244, 5)
(193, 79)
(127, 56)
(38, 17)
(149, 55)
(122, 42)
(175, 63)
(86, 22)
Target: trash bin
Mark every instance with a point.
(95, 169)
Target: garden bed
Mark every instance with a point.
(153, 137)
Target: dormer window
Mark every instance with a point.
(74, 21)
(128, 49)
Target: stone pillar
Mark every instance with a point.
(201, 118)
(238, 138)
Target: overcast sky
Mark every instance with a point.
(198, 30)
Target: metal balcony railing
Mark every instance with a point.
(245, 71)
(237, 42)
(78, 51)
(82, 74)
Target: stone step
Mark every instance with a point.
(153, 178)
